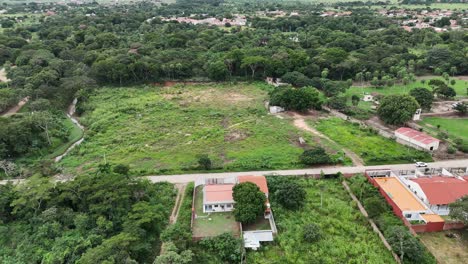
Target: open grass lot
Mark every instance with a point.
(447, 250)
(460, 87)
(163, 130)
(371, 147)
(346, 235)
(455, 127)
(214, 224)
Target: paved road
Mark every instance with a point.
(185, 178)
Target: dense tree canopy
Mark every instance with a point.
(250, 202)
(423, 96)
(105, 218)
(397, 109)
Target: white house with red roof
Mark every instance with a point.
(218, 198)
(438, 192)
(416, 139)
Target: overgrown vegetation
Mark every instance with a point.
(365, 142)
(167, 129)
(340, 233)
(103, 218)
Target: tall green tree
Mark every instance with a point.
(397, 109)
(250, 202)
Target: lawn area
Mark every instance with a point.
(371, 147)
(164, 130)
(455, 127)
(213, 224)
(460, 87)
(346, 235)
(447, 250)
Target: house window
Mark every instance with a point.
(408, 215)
(216, 206)
(228, 206)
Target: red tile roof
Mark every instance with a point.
(416, 135)
(442, 190)
(218, 193)
(260, 181)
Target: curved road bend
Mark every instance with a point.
(185, 178)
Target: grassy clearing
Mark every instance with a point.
(75, 134)
(460, 87)
(163, 130)
(447, 250)
(346, 235)
(455, 127)
(371, 147)
(213, 224)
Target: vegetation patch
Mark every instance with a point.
(449, 247)
(167, 129)
(341, 233)
(365, 142)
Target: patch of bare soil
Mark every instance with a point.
(204, 96)
(16, 108)
(235, 135)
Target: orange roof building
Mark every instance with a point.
(260, 181)
(400, 195)
(218, 198)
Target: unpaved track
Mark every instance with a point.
(300, 123)
(175, 211)
(16, 108)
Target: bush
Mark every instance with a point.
(451, 150)
(204, 162)
(301, 99)
(375, 206)
(315, 156)
(225, 246)
(290, 195)
(312, 233)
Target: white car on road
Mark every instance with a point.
(421, 164)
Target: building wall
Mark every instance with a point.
(416, 189)
(218, 207)
(416, 144)
(442, 209)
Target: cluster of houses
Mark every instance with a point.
(422, 198)
(421, 19)
(237, 20)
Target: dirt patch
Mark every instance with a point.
(204, 96)
(235, 135)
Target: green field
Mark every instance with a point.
(346, 235)
(460, 87)
(164, 130)
(455, 127)
(371, 147)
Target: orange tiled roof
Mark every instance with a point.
(260, 181)
(219, 193)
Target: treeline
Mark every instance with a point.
(123, 46)
(105, 218)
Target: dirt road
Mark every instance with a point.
(300, 123)
(16, 108)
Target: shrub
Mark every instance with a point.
(225, 246)
(312, 233)
(375, 206)
(451, 150)
(204, 162)
(290, 195)
(314, 156)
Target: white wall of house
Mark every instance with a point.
(218, 207)
(414, 215)
(440, 209)
(416, 189)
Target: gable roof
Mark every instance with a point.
(416, 135)
(442, 190)
(260, 181)
(217, 193)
